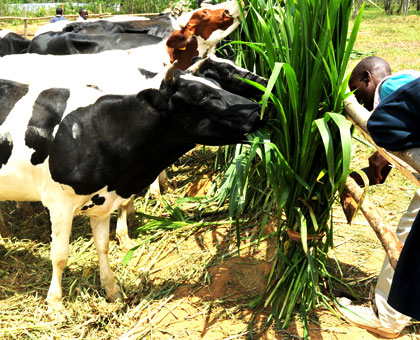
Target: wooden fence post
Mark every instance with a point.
(100, 10)
(25, 22)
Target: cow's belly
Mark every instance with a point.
(102, 203)
(20, 184)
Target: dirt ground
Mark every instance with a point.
(189, 286)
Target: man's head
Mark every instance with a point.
(366, 76)
(83, 13)
(59, 11)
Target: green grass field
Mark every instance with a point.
(394, 38)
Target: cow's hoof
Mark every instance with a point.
(127, 244)
(56, 313)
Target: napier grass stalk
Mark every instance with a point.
(294, 168)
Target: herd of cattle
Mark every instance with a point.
(91, 114)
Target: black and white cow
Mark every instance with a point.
(204, 29)
(161, 26)
(12, 43)
(65, 43)
(121, 72)
(79, 151)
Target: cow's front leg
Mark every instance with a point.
(61, 222)
(100, 229)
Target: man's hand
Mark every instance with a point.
(379, 169)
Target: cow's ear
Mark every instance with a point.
(153, 98)
(176, 40)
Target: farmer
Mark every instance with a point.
(58, 15)
(393, 99)
(83, 15)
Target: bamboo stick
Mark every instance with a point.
(390, 242)
(25, 22)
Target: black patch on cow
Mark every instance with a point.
(86, 207)
(6, 147)
(98, 200)
(62, 43)
(13, 43)
(114, 146)
(10, 93)
(46, 114)
(147, 74)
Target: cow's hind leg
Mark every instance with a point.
(126, 218)
(100, 229)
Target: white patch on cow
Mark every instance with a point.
(121, 75)
(76, 130)
(40, 132)
(52, 27)
(200, 80)
(208, 46)
(5, 137)
(213, 57)
(4, 32)
(122, 18)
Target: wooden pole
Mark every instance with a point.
(390, 242)
(25, 22)
(100, 10)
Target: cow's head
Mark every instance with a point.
(227, 74)
(201, 32)
(201, 112)
(206, 21)
(182, 48)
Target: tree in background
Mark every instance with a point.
(403, 6)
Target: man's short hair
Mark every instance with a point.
(59, 11)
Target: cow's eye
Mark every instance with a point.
(200, 96)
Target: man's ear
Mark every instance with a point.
(367, 77)
(153, 98)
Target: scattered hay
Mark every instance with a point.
(188, 283)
